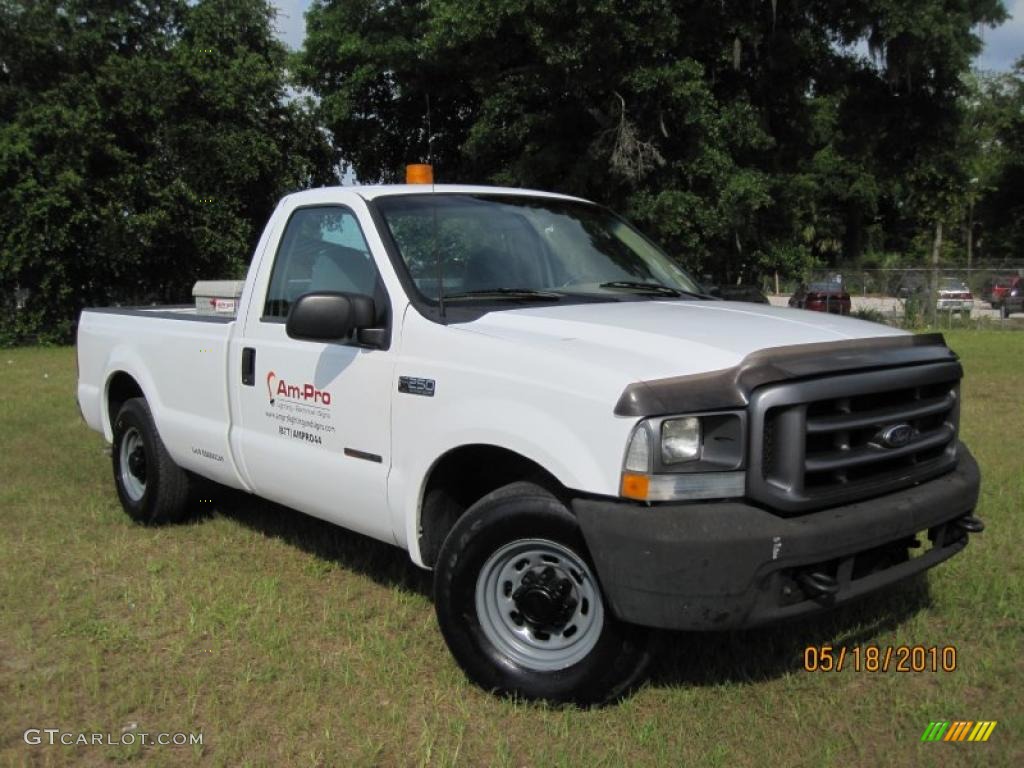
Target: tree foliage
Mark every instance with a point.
(142, 146)
(995, 151)
(747, 136)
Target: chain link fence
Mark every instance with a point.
(914, 297)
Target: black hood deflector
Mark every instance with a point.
(731, 387)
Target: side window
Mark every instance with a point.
(322, 249)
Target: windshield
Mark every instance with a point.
(490, 245)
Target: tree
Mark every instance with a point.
(142, 147)
(746, 136)
(999, 165)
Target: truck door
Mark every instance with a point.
(313, 429)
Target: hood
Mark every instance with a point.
(656, 339)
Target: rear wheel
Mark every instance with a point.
(521, 608)
(151, 487)
(1004, 310)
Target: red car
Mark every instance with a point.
(997, 289)
(822, 297)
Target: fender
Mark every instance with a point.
(123, 359)
(505, 425)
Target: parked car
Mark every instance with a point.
(822, 297)
(577, 442)
(1013, 300)
(912, 284)
(954, 296)
(998, 289)
(748, 293)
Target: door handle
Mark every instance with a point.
(248, 366)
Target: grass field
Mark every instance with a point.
(288, 642)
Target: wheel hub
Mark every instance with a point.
(539, 604)
(132, 464)
(137, 463)
(545, 598)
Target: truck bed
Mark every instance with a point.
(182, 368)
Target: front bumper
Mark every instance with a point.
(725, 565)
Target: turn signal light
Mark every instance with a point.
(419, 173)
(635, 486)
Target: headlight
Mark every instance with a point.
(699, 456)
(680, 440)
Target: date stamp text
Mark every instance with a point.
(880, 658)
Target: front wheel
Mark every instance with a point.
(521, 608)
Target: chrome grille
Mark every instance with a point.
(833, 440)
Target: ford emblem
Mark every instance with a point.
(896, 436)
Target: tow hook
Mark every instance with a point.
(817, 584)
(970, 523)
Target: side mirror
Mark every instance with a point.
(330, 316)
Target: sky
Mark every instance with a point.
(291, 24)
(1003, 45)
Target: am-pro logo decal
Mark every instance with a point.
(300, 411)
(302, 393)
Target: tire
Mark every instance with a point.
(153, 489)
(1004, 311)
(557, 641)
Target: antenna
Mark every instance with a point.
(433, 207)
(430, 142)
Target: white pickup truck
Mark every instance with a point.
(537, 403)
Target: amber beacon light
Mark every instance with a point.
(419, 173)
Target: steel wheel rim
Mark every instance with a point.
(132, 461)
(513, 631)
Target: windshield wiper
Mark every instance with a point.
(636, 285)
(697, 295)
(507, 293)
(658, 288)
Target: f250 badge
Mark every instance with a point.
(411, 385)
